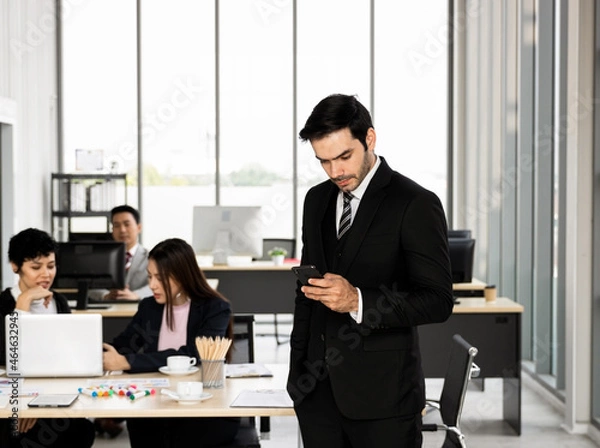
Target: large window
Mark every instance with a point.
(256, 109)
(224, 88)
(177, 97)
(333, 56)
(98, 80)
(411, 98)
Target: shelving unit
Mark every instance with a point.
(84, 196)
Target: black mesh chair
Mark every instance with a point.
(460, 370)
(459, 233)
(243, 352)
(288, 244)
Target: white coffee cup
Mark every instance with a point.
(189, 389)
(180, 363)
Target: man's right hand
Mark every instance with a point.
(121, 294)
(111, 295)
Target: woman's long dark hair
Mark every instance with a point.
(175, 259)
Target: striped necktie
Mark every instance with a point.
(128, 258)
(346, 218)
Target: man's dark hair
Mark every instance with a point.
(125, 209)
(337, 112)
(30, 244)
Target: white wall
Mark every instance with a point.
(28, 78)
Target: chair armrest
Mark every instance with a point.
(475, 370)
(432, 404)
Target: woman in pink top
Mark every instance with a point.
(183, 307)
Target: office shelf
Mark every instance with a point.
(84, 196)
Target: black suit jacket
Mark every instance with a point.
(139, 341)
(396, 252)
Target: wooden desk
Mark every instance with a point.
(260, 287)
(495, 330)
(217, 406)
(472, 289)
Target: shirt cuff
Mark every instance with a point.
(358, 315)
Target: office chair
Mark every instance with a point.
(243, 352)
(460, 370)
(288, 244)
(459, 233)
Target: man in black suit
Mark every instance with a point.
(355, 369)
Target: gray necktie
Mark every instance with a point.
(346, 218)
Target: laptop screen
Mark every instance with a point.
(53, 345)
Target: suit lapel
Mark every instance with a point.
(369, 204)
(136, 262)
(318, 248)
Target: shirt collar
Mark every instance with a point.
(360, 190)
(133, 250)
(15, 291)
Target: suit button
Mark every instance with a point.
(322, 337)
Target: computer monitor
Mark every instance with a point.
(90, 264)
(462, 251)
(227, 230)
(459, 233)
(90, 236)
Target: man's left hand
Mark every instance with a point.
(333, 291)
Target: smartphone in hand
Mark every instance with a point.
(305, 272)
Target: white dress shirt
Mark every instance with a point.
(37, 306)
(357, 194)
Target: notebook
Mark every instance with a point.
(54, 345)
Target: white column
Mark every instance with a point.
(578, 126)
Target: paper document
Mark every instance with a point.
(8, 388)
(246, 370)
(263, 398)
(139, 382)
(22, 392)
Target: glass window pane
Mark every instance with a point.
(411, 82)
(256, 107)
(333, 53)
(178, 110)
(99, 84)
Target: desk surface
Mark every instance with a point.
(465, 305)
(254, 266)
(479, 305)
(474, 285)
(217, 406)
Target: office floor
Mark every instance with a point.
(481, 420)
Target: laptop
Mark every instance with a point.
(54, 345)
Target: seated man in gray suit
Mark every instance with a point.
(126, 228)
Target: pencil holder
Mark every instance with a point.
(213, 373)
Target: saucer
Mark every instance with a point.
(189, 400)
(166, 371)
